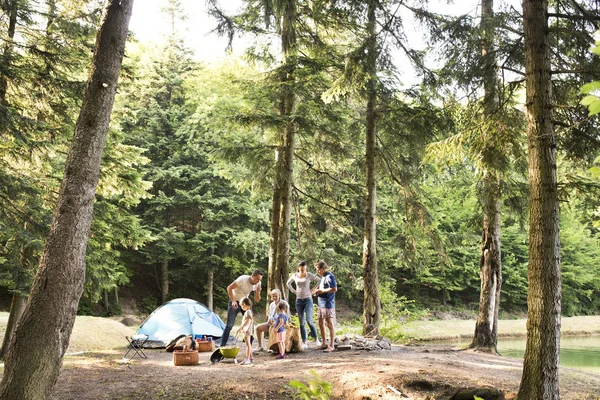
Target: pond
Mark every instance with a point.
(581, 352)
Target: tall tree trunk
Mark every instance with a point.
(32, 365)
(17, 306)
(371, 302)
(106, 302)
(279, 251)
(209, 294)
(10, 8)
(19, 299)
(274, 233)
(540, 365)
(485, 338)
(490, 268)
(164, 281)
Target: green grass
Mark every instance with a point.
(454, 329)
(434, 330)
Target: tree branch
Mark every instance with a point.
(516, 71)
(575, 17)
(319, 201)
(353, 187)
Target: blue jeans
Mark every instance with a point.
(231, 315)
(304, 307)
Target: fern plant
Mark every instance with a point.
(315, 389)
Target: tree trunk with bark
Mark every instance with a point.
(209, 294)
(371, 301)
(490, 269)
(36, 351)
(17, 306)
(279, 250)
(106, 301)
(485, 338)
(540, 364)
(10, 9)
(164, 281)
(19, 298)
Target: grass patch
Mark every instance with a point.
(450, 329)
(455, 329)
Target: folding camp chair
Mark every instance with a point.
(135, 344)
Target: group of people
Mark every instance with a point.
(304, 285)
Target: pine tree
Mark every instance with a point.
(58, 285)
(540, 364)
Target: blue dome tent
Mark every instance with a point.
(179, 317)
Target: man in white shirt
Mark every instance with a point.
(237, 290)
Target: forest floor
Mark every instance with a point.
(413, 372)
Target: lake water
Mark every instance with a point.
(582, 352)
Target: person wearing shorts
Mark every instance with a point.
(281, 320)
(326, 304)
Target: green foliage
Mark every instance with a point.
(148, 305)
(315, 389)
(592, 89)
(393, 322)
(295, 321)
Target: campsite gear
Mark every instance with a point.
(231, 351)
(205, 346)
(185, 357)
(216, 356)
(177, 317)
(135, 343)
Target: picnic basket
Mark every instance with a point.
(185, 357)
(205, 346)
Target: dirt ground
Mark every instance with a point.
(413, 372)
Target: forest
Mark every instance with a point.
(442, 192)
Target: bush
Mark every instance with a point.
(148, 305)
(315, 389)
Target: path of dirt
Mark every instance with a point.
(415, 372)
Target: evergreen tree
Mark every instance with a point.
(540, 365)
(50, 311)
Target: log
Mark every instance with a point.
(293, 342)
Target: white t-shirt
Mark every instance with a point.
(245, 318)
(244, 287)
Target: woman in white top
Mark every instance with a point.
(304, 301)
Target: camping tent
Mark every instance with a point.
(178, 317)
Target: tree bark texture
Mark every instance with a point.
(164, 281)
(485, 338)
(17, 306)
(540, 365)
(35, 354)
(490, 269)
(371, 302)
(279, 249)
(19, 298)
(10, 8)
(209, 295)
